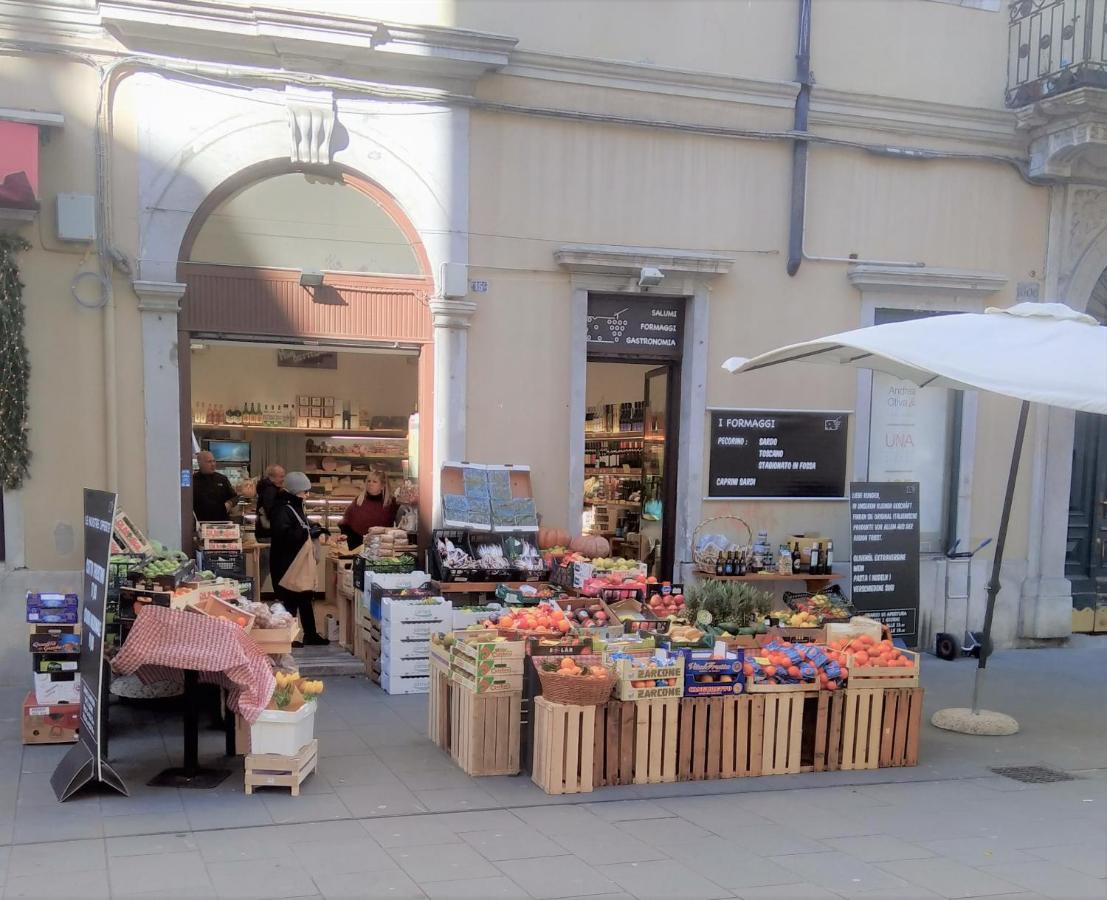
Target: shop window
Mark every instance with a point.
(915, 435)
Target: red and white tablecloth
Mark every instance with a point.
(164, 642)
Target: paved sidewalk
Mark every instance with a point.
(388, 815)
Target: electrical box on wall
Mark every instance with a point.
(455, 279)
(76, 217)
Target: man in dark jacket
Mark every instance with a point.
(290, 531)
(268, 489)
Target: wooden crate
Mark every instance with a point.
(821, 746)
(273, 770)
(655, 740)
(719, 737)
(613, 754)
(484, 731)
(900, 727)
(438, 705)
(782, 733)
(883, 676)
(861, 728)
(564, 742)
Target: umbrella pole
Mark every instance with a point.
(997, 561)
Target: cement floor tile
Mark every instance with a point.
(138, 875)
(786, 892)
(261, 879)
(58, 824)
(216, 813)
(352, 854)
(139, 845)
(1050, 880)
(877, 848)
(1090, 858)
(150, 800)
(356, 886)
(554, 820)
(29, 859)
(839, 872)
(665, 832)
(146, 823)
(497, 888)
(442, 862)
(761, 840)
(434, 778)
(240, 844)
(974, 851)
(728, 866)
(345, 771)
(628, 810)
(283, 807)
(479, 820)
(518, 842)
(408, 831)
(611, 846)
(557, 877)
(949, 878)
(36, 887)
(364, 801)
(456, 799)
(662, 880)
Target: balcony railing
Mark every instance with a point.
(1055, 46)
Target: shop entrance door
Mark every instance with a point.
(1086, 554)
(659, 466)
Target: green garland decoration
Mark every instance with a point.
(15, 368)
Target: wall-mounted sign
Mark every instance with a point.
(884, 523)
(635, 325)
(786, 454)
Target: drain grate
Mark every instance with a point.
(1033, 774)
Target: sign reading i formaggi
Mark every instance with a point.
(786, 454)
(635, 325)
(884, 522)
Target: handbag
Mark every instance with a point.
(301, 575)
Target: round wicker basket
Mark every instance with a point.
(705, 560)
(574, 689)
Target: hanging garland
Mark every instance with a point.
(15, 369)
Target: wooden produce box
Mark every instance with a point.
(276, 641)
(782, 734)
(220, 609)
(274, 770)
(484, 731)
(438, 704)
(564, 743)
(631, 684)
(884, 676)
(478, 650)
(494, 682)
(636, 742)
(720, 737)
(881, 727)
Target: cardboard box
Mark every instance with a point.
(49, 663)
(480, 667)
(55, 640)
(702, 664)
(419, 631)
(219, 609)
(405, 684)
(668, 669)
(487, 684)
(402, 666)
(504, 491)
(49, 723)
(485, 647)
(57, 687)
(612, 628)
(52, 609)
(396, 610)
(126, 533)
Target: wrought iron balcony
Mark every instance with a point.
(1055, 46)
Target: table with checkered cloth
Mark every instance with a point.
(165, 642)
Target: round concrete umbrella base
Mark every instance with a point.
(965, 721)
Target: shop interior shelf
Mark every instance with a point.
(370, 456)
(625, 473)
(613, 435)
(322, 432)
(774, 577)
(623, 504)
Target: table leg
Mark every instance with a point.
(190, 775)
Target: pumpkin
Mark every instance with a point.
(591, 545)
(552, 537)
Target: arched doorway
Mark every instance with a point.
(280, 261)
(1086, 547)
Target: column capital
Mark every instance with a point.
(452, 313)
(159, 296)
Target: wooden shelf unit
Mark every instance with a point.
(354, 434)
(623, 473)
(619, 504)
(613, 435)
(809, 579)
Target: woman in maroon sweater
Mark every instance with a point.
(373, 507)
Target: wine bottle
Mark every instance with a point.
(797, 563)
(828, 558)
(813, 566)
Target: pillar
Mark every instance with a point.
(159, 303)
(451, 319)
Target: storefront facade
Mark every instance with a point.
(531, 171)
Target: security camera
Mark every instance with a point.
(650, 277)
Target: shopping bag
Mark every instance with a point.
(302, 573)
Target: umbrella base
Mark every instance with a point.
(965, 721)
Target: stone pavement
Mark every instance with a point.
(388, 815)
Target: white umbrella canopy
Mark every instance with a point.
(1039, 352)
(1035, 352)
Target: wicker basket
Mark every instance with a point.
(705, 561)
(576, 690)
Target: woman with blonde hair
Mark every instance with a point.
(373, 507)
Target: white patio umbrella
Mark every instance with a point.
(1035, 352)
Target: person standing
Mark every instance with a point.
(212, 493)
(290, 530)
(269, 488)
(373, 507)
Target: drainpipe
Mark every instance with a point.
(799, 146)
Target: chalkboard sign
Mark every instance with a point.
(884, 522)
(84, 763)
(763, 453)
(635, 325)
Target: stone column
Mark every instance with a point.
(159, 302)
(451, 318)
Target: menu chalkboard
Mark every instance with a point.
(635, 325)
(763, 453)
(884, 521)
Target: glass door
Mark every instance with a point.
(661, 422)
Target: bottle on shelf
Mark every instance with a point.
(797, 559)
(828, 558)
(728, 568)
(720, 564)
(813, 566)
(783, 560)
(741, 568)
